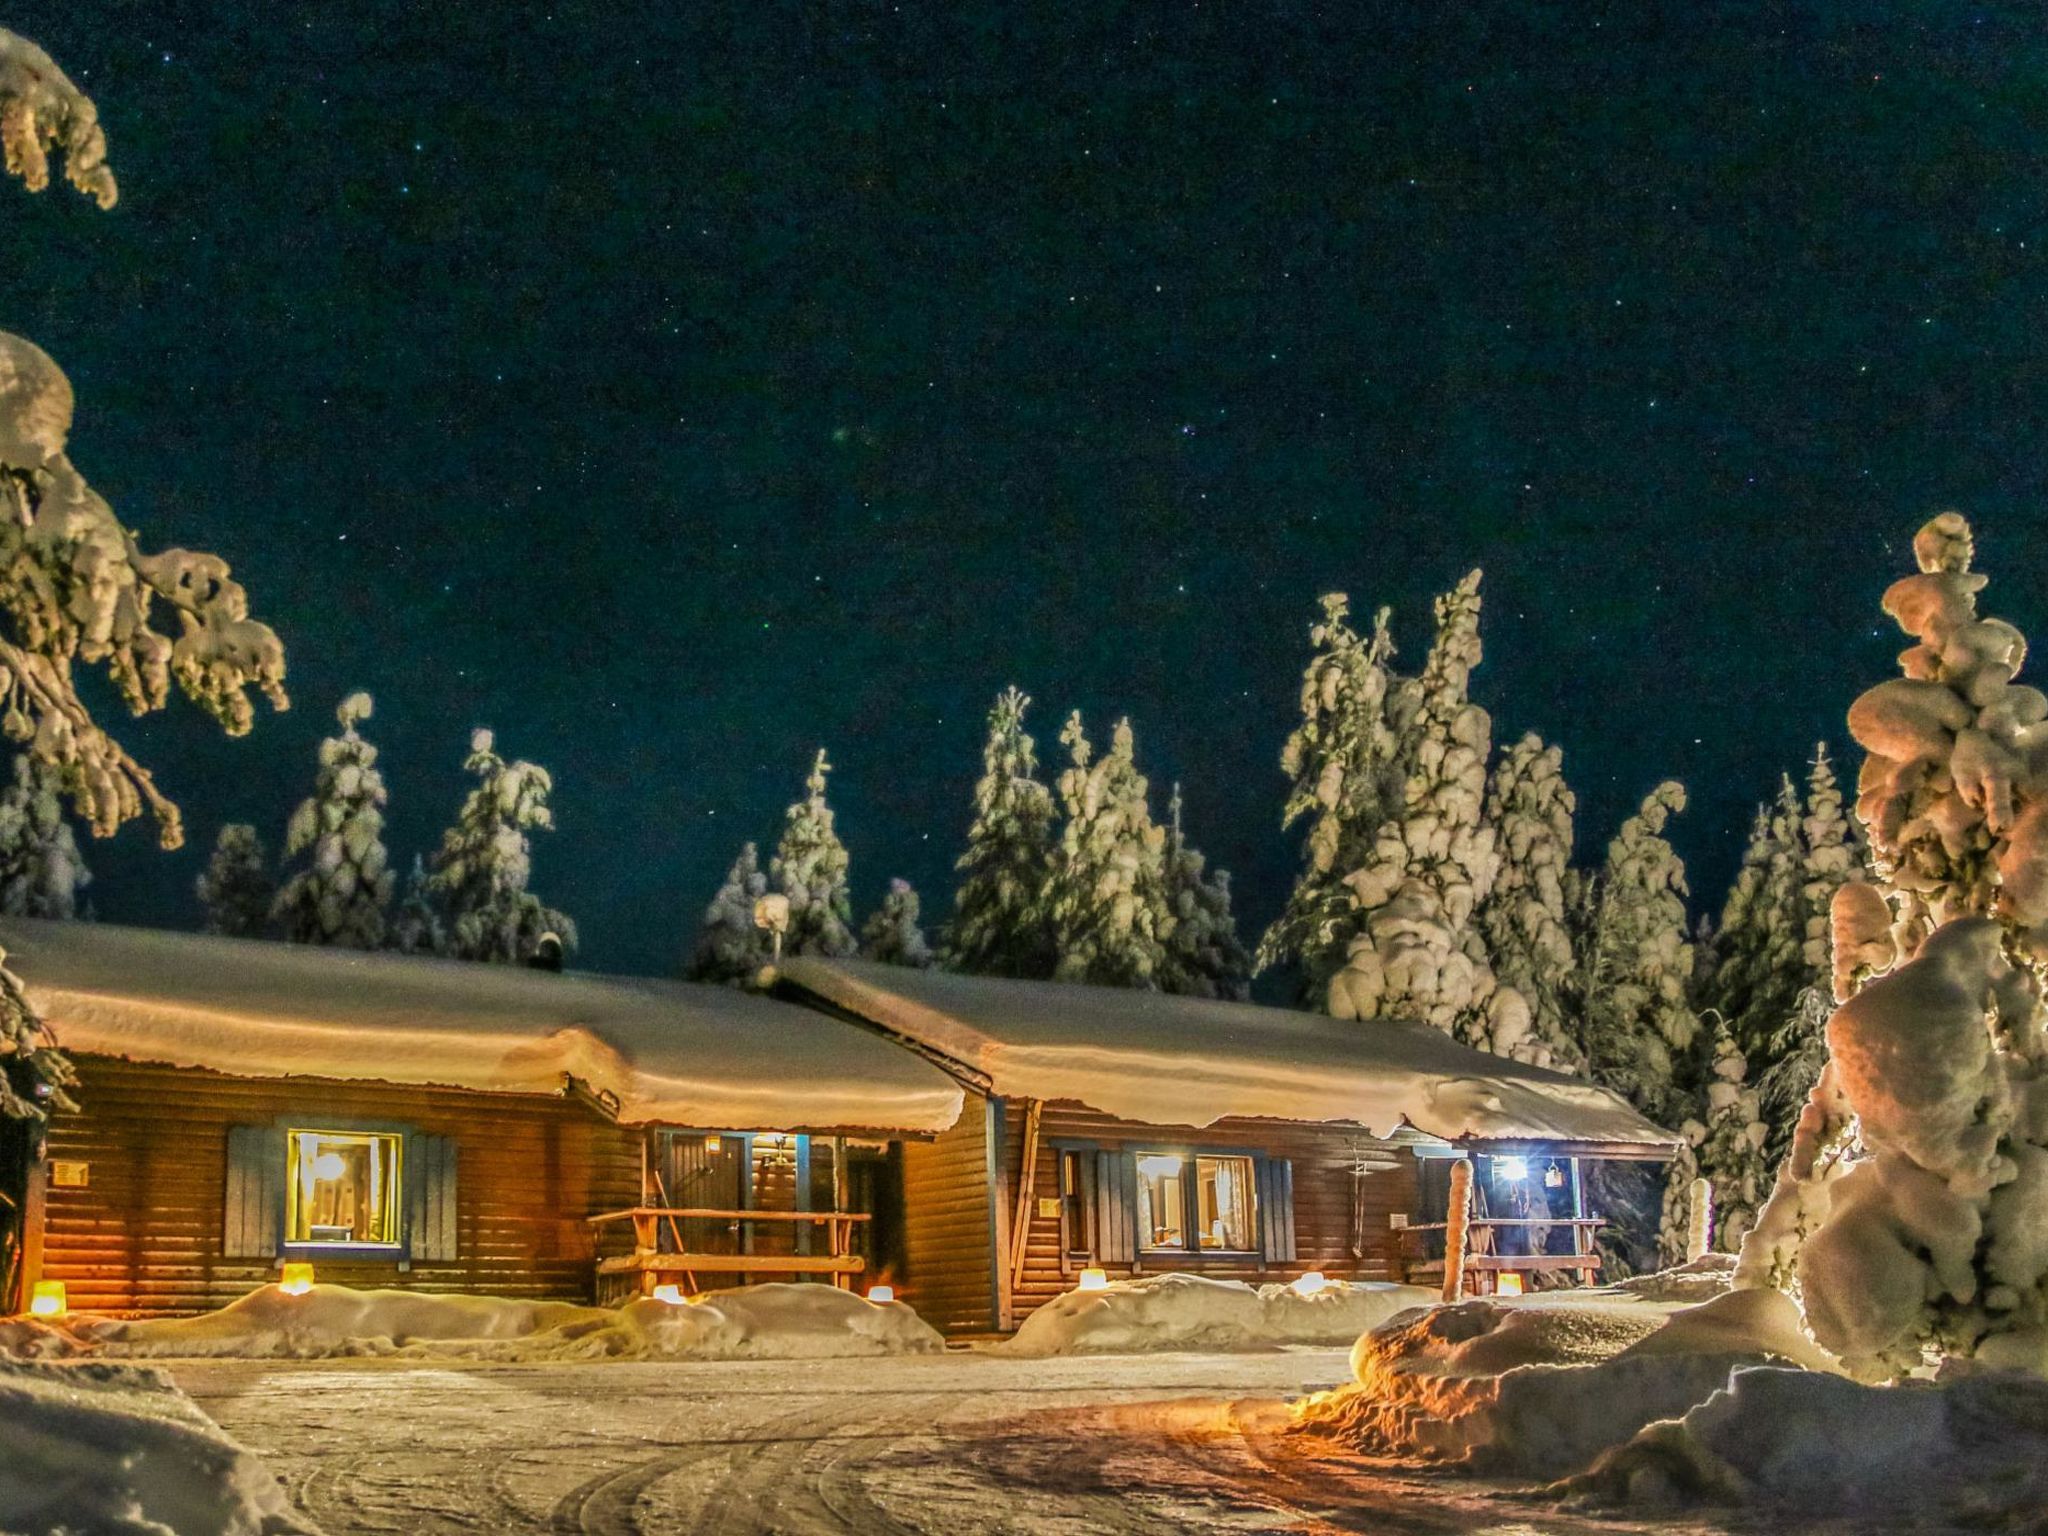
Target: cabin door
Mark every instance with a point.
(706, 1171)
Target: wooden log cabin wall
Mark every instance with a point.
(159, 1198)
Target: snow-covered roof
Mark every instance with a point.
(1186, 1061)
(671, 1052)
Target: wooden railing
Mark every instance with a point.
(648, 1264)
(1481, 1264)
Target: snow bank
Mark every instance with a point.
(1538, 1388)
(119, 1451)
(1193, 1061)
(764, 1322)
(671, 1052)
(1702, 1279)
(1193, 1312)
(1969, 1453)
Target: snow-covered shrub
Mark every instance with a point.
(1912, 1214)
(42, 111)
(339, 894)
(235, 887)
(1106, 896)
(1204, 956)
(893, 934)
(1344, 781)
(809, 868)
(730, 948)
(41, 869)
(1417, 954)
(485, 860)
(999, 925)
(1524, 921)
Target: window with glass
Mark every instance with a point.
(342, 1188)
(1212, 1197)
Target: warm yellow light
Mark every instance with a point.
(46, 1299)
(712, 1143)
(1310, 1283)
(881, 1293)
(672, 1294)
(296, 1279)
(1510, 1284)
(1094, 1280)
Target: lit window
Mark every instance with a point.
(1162, 1201)
(1223, 1190)
(342, 1188)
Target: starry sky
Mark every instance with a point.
(675, 388)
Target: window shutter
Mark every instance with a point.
(253, 1215)
(1116, 1207)
(430, 1191)
(1276, 1209)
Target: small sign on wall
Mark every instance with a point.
(70, 1175)
(1048, 1208)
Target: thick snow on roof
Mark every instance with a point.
(1188, 1061)
(671, 1052)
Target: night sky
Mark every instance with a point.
(675, 387)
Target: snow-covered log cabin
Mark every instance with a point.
(428, 1123)
(1134, 1132)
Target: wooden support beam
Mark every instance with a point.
(1027, 1187)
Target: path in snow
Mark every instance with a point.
(954, 1445)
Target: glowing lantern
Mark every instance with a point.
(296, 1280)
(46, 1299)
(1094, 1280)
(881, 1293)
(1309, 1283)
(1510, 1284)
(672, 1294)
(1513, 1169)
(1553, 1177)
(713, 1142)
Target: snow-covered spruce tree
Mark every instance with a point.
(1106, 892)
(1759, 966)
(809, 868)
(1344, 781)
(416, 927)
(1417, 954)
(339, 893)
(480, 873)
(42, 111)
(41, 869)
(730, 949)
(1525, 920)
(1911, 1217)
(999, 926)
(893, 934)
(1636, 1027)
(78, 590)
(1204, 956)
(1724, 1145)
(235, 887)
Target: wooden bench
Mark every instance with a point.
(647, 1266)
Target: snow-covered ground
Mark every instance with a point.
(1182, 1312)
(103, 1450)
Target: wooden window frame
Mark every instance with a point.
(398, 1254)
(1192, 1256)
(396, 1194)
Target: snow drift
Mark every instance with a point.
(758, 1322)
(1193, 1312)
(119, 1451)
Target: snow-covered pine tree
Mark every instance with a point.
(339, 895)
(82, 592)
(1344, 782)
(1204, 956)
(809, 868)
(41, 869)
(1759, 964)
(481, 871)
(1725, 1145)
(1525, 920)
(235, 887)
(1909, 1216)
(1637, 1028)
(998, 926)
(1106, 894)
(893, 934)
(416, 927)
(730, 948)
(1417, 954)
